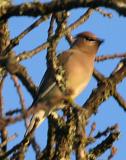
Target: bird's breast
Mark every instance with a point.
(79, 71)
(77, 86)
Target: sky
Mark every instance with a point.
(112, 31)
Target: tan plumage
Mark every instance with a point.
(78, 63)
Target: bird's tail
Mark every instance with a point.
(40, 116)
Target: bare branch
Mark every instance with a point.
(11, 138)
(106, 89)
(113, 153)
(21, 96)
(110, 57)
(78, 22)
(38, 9)
(108, 130)
(104, 145)
(120, 100)
(15, 41)
(22, 145)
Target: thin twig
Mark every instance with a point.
(101, 11)
(11, 112)
(78, 22)
(98, 76)
(16, 40)
(113, 153)
(109, 57)
(11, 138)
(120, 100)
(93, 127)
(22, 145)
(4, 130)
(108, 130)
(21, 97)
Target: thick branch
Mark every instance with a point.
(105, 90)
(37, 9)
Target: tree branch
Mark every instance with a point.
(41, 9)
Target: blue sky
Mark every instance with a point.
(112, 31)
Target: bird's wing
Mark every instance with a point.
(47, 82)
(64, 57)
(45, 85)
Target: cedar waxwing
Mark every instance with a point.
(78, 63)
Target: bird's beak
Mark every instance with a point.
(100, 41)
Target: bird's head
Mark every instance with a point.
(87, 41)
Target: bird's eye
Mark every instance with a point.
(89, 39)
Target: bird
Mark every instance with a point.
(78, 63)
